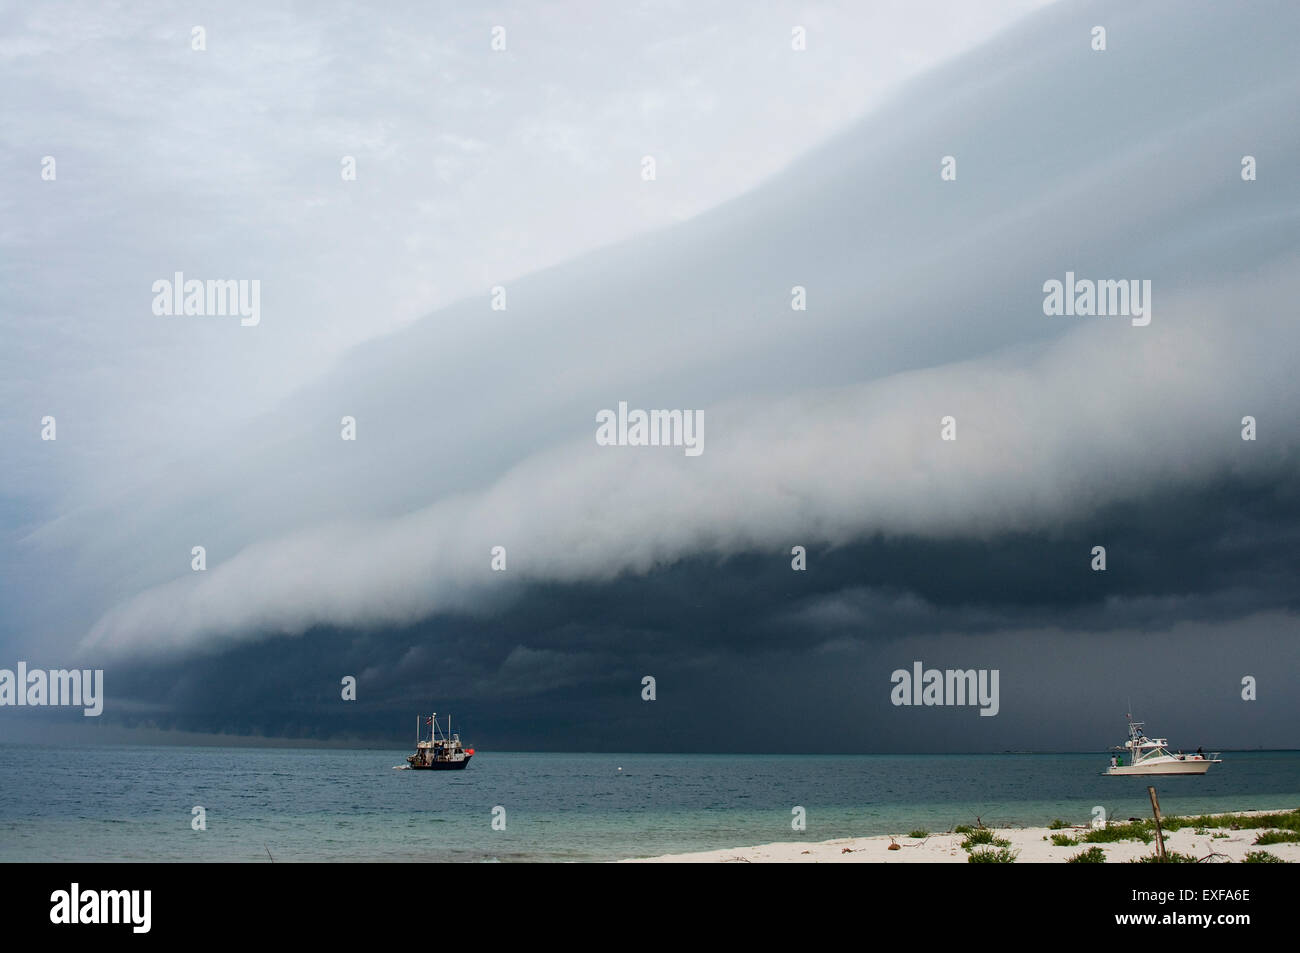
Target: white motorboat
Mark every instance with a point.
(1152, 756)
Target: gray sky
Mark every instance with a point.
(775, 168)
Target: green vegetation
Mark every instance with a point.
(983, 836)
(1262, 857)
(1282, 827)
(1171, 857)
(1131, 830)
(1286, 820)
(990, 856)
(1057, 825)
(962, 829)
(1144, 830)
(1093, 855)
(919, 832)
(1278, 837)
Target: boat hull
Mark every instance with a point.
(442, 766)
(1164, 767)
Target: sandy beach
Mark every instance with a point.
(1032, 845)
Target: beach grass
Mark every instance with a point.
(1130, 830)
(983, 836)
(1262, 857)
(1171, 857)
(1278, 837)
(1286, 820)
(994, 855)
(1093, 855)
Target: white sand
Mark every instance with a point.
(1034, 844)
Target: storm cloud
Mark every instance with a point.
(475, 429)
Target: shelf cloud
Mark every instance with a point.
(1027, 304)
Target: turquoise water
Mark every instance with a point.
(135, 803)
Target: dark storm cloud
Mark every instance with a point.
(563, 664)
(329, 558)
(475, 426)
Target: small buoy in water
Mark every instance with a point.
(620, 769)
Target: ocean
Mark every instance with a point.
(124, 803)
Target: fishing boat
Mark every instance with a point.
(1152, 756)
(440, 751)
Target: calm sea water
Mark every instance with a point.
(135, 803)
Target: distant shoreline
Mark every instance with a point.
(73, 740)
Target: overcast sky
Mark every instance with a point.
(775, 167)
